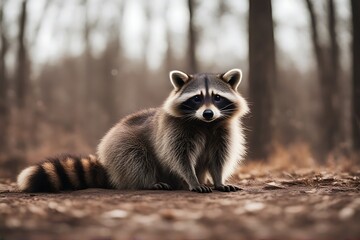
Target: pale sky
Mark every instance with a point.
(221, 43)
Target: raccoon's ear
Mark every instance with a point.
(232, 77)
(178, 79)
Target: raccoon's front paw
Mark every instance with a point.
(162, 186)
(227, 188)
(201, 189)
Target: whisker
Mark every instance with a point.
(227, 106)
(189, 118)
(188, 106)
(189, 115)
(228, 110)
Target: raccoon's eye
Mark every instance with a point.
(217, 98)
(197, 98)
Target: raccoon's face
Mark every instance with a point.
(206, 97)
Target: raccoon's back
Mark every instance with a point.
(64, 172)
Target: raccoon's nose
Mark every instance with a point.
(208, 114)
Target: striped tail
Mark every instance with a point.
(65, 172)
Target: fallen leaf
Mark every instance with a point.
(311, 191)
(118, 213)
(346, 213)
(293, 182)
(273, 186)
(295, 209)
(254, 206)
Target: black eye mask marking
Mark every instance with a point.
(225, 106)
(192, 104)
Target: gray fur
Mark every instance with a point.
(165, 148)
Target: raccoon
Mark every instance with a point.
(195, 136)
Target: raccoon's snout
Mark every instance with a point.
(208, 114)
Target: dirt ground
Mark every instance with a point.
(277, 204)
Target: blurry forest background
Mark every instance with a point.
(70, 69)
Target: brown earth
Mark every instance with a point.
(278, 204)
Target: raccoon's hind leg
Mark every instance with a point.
(129, 161)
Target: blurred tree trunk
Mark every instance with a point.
(334, 46)
(22, 82)
(328, 70)
(333, 114)
(89, 80)
(261, 77)
(191, 57)
(315, 39)
(111, 74)
(112, 66)
(169, 58)
(4, 108)
(146, 40)
(355, 6)
(22, 68)
(34, 96)
(87, 88)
